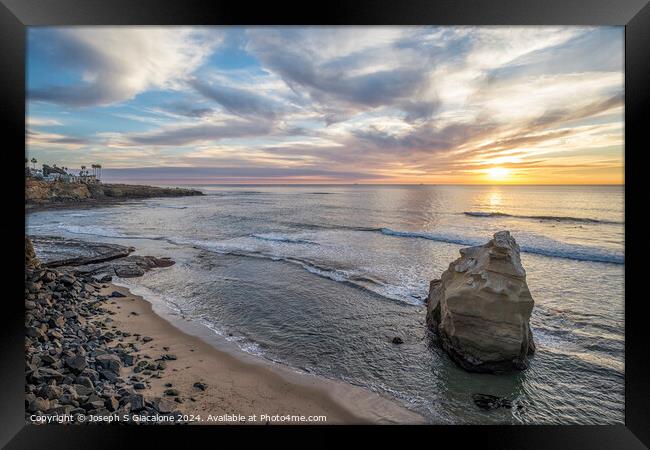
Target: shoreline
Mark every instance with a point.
(237, 382)
(93, 348)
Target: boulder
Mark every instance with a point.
(480, 308)
(76, 363)
(136, 401)
(109, 362)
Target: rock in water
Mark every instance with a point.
(488, 402)
(480, 308)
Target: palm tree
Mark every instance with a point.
(83, 168)
(34, 161)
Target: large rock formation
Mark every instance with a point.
(481, 306)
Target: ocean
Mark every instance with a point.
(321, 278)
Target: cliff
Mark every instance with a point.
(57, 193)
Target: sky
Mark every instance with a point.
(380, 105)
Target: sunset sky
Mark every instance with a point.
(330, 104)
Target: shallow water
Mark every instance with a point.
(322, 277)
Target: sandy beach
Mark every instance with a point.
(234, 386)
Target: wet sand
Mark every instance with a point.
(237, 384)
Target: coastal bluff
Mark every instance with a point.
(57, 193)
(480, 308)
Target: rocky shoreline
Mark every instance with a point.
(40, 194)
(95, 350)
(76, 360)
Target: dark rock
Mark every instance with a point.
(57, 322)
(44, 374)
(117, 294)
(48, 359)
(109, 362)
(77, 363)
(397, 340)
(37, 333)
(201, 386)
(488, 402)
(50, 391)
(172, 392)
(112, 403)
(127, 359)
(130, 271)
(67, 279)
(109, 375)
(29, 397)
(136, 401)
(94, 404)
(85, 382)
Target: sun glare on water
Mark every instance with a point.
(498, 173)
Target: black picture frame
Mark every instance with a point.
(16, 15)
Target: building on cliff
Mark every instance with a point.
(55, 173)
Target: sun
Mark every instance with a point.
(498, 173)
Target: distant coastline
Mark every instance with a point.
(41, 194)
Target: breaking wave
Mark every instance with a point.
(282, 238)
(566, 251)
(546, 218)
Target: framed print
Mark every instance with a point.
(374, 217)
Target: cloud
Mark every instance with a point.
(118, 63)
(55, 140)
(381, 101)
(42, 121)
(186, 109)
(202, 132)
(238, 101)
(235, 174)
(595, 50)
(374, 74)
